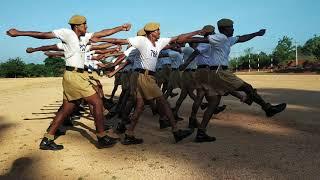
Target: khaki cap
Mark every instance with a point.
(141, 32)
(208, 28)
(225, 23)
(153, 26)
(77, 20)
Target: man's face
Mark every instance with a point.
(156, 34)
(82, 28)
(228, 31)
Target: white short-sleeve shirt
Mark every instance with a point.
(133, 55)
(176, 57)
(149, 53)
(221, 45)
(205, 54)
(187, 51)
(74, 48)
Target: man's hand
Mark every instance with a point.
(126, 27)
(30, 50)
(118, 48)
(12, 32)
(261, 32)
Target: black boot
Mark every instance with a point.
(68, 121)
(219, 109)
(129, 140)
(164, 123)
(203, 106)
(271, 110)
(106, 142)
(47, 144)
(181, 134)
(173, 95)
(177, 117)
(107, 103)
(203, 137)
(59, 131)
(121, 128)
(193, 123)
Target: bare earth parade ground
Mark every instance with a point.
(248, 146)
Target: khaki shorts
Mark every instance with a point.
(93, 78)
(202, 81)
(189, 80)
(76, 86)
(225, 81)
(175, 80)
(146, 87)
(125, 84)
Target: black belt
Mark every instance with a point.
(216, 67)
(70, 68)
(143, 71)
(159, 69)
(188, 70)
(174, 69)
(203, 66)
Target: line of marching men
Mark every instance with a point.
(199, 69)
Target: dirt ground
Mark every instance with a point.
(248, 146)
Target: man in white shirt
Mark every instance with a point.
(75, 85)
(224, 81)
(147, 89)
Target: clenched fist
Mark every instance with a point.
(126, 26)
(12, 32)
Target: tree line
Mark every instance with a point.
(16, 67)
(284, 52)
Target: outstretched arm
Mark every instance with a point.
(105, 51)
(108, 32)
(248, 37)
(101, 46)
(34, 34)
(197, 40)
(111, 40)
(43, 48)
(121, 66)
(183, 37)
(54, 54)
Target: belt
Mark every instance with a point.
(70, 68)
(203, 66)
(216, 67)
(174, 69)
(159, 69)
(145, 71)
(124, 72)
(188, 70)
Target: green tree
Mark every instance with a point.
(13, 68)
(54, 66)
(312, 47)
(284, 51)
(36, 70)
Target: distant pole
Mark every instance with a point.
(258, 65)
(296, 54)
(271, 65)
(236, 64)
(249, 64)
